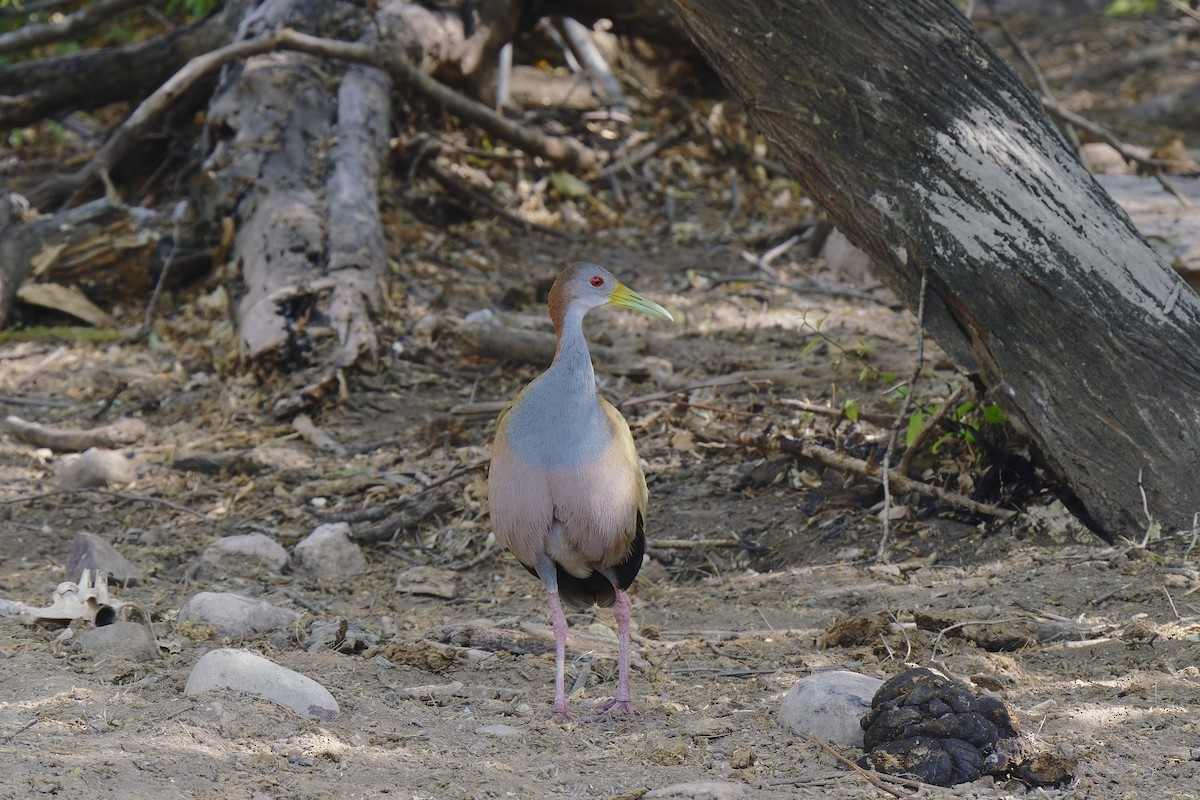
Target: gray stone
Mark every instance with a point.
(244, 672)
(97, 468)
(126, 640)
(340, 635)
(245, 554)
(234, 614)
(829, 704)
(328, 553)
(91, 552)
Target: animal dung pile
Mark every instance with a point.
(939, 731)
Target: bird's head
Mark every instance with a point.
(583, 286)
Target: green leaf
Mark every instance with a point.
(915, 422)
(1154, 532)
(945, 437)
(1129, 8)
(994, 414)
(850, 409)
(568, 185)
(963, 409)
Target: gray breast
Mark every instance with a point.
(558, 427)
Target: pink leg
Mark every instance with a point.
(560, 658)
(621, 612)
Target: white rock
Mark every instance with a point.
(245, 672)
(250, 553)
(327, 552)
(97, 468)
(701, 790)
(829, 704)
(234, 614)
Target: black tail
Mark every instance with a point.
(596, 589)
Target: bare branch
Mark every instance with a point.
(83, 20)
(563, 151)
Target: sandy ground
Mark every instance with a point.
(757, 559)
(1094, 646)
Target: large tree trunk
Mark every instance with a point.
(929, 153)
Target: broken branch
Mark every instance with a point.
(121, 433)
(564, 151)
(902, 482)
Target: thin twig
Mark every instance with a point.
(937, 640)
(690, 544)
(1126, 152)
(874, 778)
(733, 412)
(1184, 8)
(763, 262)
(451, 476)
(148, 314)
(565, 151)
(1027, 59)
(931, 424)
(136, 498)
(456, 184)
(629, 160)
(753, 378)
(1171, 602)
(902, 482)
(836, 412)
(808, 286)
(89, 17)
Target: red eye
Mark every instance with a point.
(597, 281)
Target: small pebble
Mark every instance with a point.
(328, 553)
(125, 640)
(234, 614)
(340, 635)
(245, 554)
(247, 673)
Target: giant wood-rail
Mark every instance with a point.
(566, 490)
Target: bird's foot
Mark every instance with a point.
(616, 704)
(561, 714)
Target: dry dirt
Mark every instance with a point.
(755, 556)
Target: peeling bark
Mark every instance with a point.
(305, 140)
(357, 251)
(107, 251)
(932, 157)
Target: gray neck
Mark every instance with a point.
(559, 422)
(572, 364)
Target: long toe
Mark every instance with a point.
(609, 706)
(561, 714)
